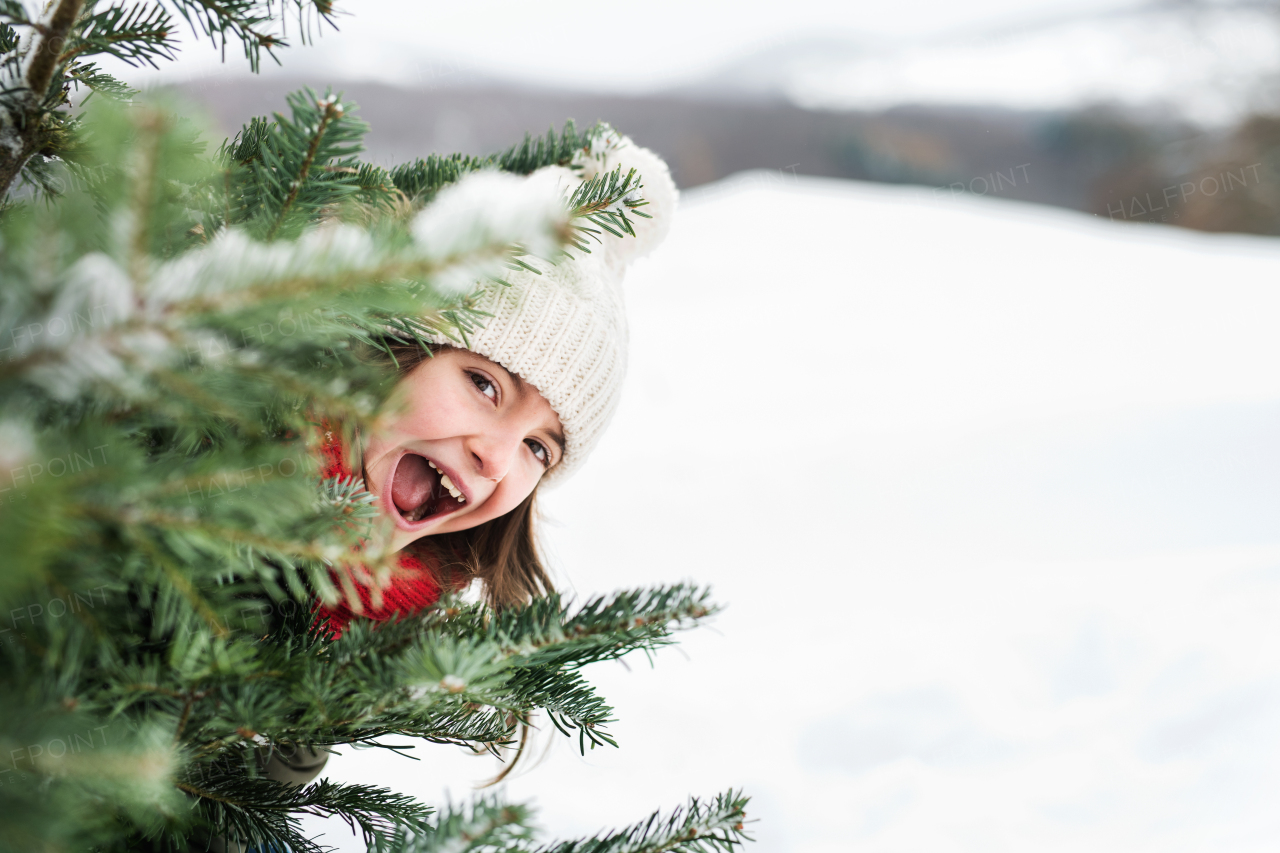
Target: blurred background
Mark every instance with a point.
(957, 379)
(1123, 109)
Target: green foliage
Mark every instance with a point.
(137, 34)
(697, 828)
(88, 75)
(487, 824)
(550, 150)
(261, 812)
(8, 35)
(249, 22)
(423, 178)
(594, 199)
(278, 177)
(491, 825)
(180, 326)
(38, 74)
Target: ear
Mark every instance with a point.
(656, 186)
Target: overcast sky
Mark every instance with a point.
(613, 46)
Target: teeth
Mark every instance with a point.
(454, 492)
(448, 484)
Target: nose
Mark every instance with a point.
(494, 452)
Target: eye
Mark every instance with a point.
(484, 385)
(539, 451)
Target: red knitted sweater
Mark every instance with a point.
(413, 589)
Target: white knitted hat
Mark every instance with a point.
(565, 331)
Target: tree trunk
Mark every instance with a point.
(21, 134)
(16, 147)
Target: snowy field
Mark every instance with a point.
(992, 493)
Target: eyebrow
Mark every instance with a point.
(514, 377)
(556, 435)
(559, 438)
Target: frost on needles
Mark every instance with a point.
(181, 319)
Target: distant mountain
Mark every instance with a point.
(770, 72)
(1208, 63)
(1131, 164)
(1045, 157)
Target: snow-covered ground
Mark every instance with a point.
(992, 493)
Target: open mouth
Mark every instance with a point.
(420, 491)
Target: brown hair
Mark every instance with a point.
(501, 552)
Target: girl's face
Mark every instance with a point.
(470, 443)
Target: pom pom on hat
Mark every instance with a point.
(565, 331)
(612, 151)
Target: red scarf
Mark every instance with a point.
(411, 590)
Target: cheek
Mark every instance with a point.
(427, 414)
(513, 489)
(434, 412)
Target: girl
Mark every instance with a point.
(481, 428)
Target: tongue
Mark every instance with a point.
(411, 483)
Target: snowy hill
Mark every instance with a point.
(1210, 65)
(990, 491)
(1211, 62)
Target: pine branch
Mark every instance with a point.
(269, 167)
(332, 110)
(87, 74)
(28, 86)
(551, 150)
(47, 48)
(154, 326)
(376, 188)
(593, 201)
(440, 687)
(214, 288)
(10, 10)
(247, 21)
(604, 628)
(421, 180)
(261, 812)
(699, 827)
(570, 703)
(491, 825)
(35, 122)
(244, 148)
(135, 35)
(487, 824)
(63, 766)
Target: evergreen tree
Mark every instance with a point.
(178, 322)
